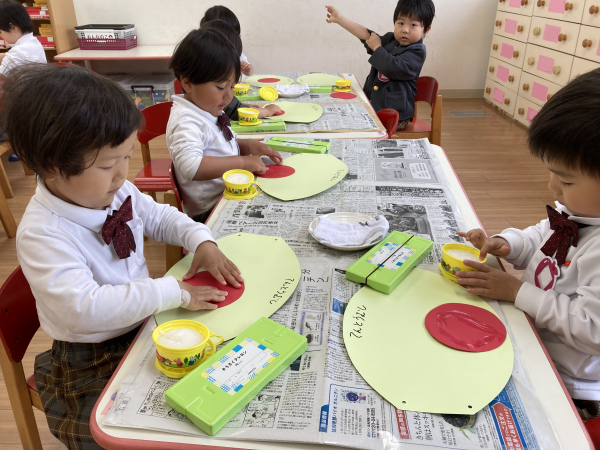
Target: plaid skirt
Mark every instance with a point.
(70, 378)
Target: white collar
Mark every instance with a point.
(578, 219)
(26, 37)
(178, 99)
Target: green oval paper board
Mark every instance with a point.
(314, 174)
(271, 272)
(319, 79)
(299, 112)
(388, 343)
(253, 80)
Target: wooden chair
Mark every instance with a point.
(389, 119)
(427, 91)
(18, 324)
(154, 177)
(173, 198)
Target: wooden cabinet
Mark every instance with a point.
(581, 66)
(554, 34)
(567, 10)
(508, 50)
(504, 74)
(500, 96)
(523, 7)
(548, 64)
(591, 13)
(536, 89)
(512, 26)
(588, 45)
(525, 110)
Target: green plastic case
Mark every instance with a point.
(266, 125)
(384, 266)
(227, 381)
(283, 144)
(321, 89)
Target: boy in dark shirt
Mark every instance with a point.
(396, 57)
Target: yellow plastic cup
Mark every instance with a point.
(178, 362)
(239, 188)
(248, 116)
(268, 93)
(451, 265)
(241, 89)
(343, 84)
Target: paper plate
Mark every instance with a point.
(319, 79)
(299, 112)
(342, 217)
(254, 80)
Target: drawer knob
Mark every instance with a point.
(495, 47)
(536, 31)
(521, 111)
(541, 3)
(530, 60)
(502, 1)
(556, 70)
(520, 28)
(511, 78)
(524, 2)
(548, 97)
(568, 6)
(525, 87)
(491, 69)
(488, 90)
(594, 10)
(562, 38)
(498, 23)
(516, 54)
(586, 43)
(507, 101)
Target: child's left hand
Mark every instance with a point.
(374, 42)
(257, 148)
(210, 258)
(272, 109)
(247, 68)
(488, 282)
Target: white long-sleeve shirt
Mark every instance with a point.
(566, 315)
(193, 133)
(27, 49)
(83, 291)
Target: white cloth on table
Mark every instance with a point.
(351, 234)
(292, 89)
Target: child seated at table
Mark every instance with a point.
(80, 242)
(560, 288)
(202, 145)
(396, 57)
(232, 109)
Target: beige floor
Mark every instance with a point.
(505, 185)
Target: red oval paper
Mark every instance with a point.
(268, 80)
(344, 95)
(206, 279)
(465, 327)
(274, 171)
(279, 113)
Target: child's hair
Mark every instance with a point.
(204, 56)
(227, 30)
(421, 10)
(566, 131)
(223, 13)
(55, 116)
(14, 13)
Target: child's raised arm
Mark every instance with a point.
(334, 16)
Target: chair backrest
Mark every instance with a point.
(427, 91)
(175, 186)
(18, 315)
(389, 118)
(157, 117)
(178, 88)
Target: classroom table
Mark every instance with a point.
(569, 429)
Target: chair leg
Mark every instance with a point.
(26, 169)
(20, 402)
(4, 184)
(173, 253)
(6, 217)
(153, 195)
(436, 122)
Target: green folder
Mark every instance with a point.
(283, 144)
(325, 89)
(248, 97)
(266, 125)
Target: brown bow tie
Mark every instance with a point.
(118, 231)
(224, 123)
(566, 233)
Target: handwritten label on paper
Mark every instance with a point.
(539, 91)
(511, 26)
(359, 320)
(531, 113)
(498, 95)
(514, 3)
(545, 64)
(507, 51)
(502, 73)
(551, 33)
(279, 295)
(557, 6)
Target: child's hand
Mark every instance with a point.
(210, 258)
(333, 15)
(272, 109)
(254, 164)
(201, 296)
(374, 41)
(494, 246)
(247, 68)
(488, 282)
(257, 148)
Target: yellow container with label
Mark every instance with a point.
(241, 89)
(268, 93)
(452, 263)
(343, 85)
(248, 116)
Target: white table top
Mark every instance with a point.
(139, 52)
(549, 389)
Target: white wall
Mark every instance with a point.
(289, 36)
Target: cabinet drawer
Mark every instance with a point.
(504, 74)
(588, 45)
(499, 96)
(523, 7)
(569, 10)
(555, 34)
(581, 66)
(525, 110)
(591, 13)
(508, 50)
(536, 89)
(512, 26)
(548, 64)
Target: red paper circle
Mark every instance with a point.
(344, 95)
(268, 80)
(465, 327)
(274, 171)
(206, 279)
(279, 113)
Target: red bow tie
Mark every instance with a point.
(118, 231)
(224, 123)
(566, 233)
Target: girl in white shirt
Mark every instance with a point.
(201, 143)
(80, 242)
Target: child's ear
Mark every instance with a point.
(185, 84)
(427, 31)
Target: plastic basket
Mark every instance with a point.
(121, 31)
(107, 44)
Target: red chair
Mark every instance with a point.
(154, 177)
(593, 429)
(173, 198)
(178, 89)
(18, 324)
(389, 119)
(427, 91)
